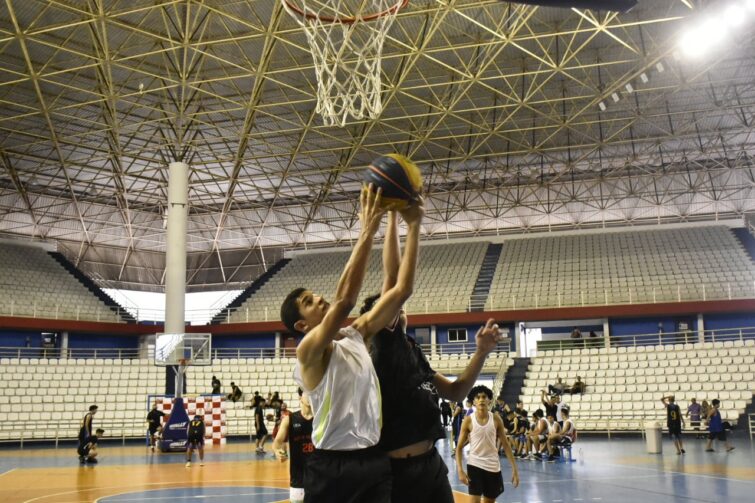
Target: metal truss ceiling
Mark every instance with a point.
(499, 103)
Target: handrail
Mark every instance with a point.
(651, 339)
(751, 423)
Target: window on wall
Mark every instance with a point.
(457, 335)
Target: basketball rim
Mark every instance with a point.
(302, 11)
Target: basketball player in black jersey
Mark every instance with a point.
(296, 429)
(195, 440)
(674, 421)
(410, 388)
(85, 429)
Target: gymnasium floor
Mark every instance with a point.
(606, 471)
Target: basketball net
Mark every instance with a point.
(346, 41)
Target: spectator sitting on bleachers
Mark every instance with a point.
(521, 430)
(576, 334)
(235, 394)
(519, 409)
(257, 399)
(537, 439)
(556, 389)
(215, 385)
(578, 387)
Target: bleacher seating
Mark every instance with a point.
(54, 394)
(444, 281)
(643, 266)
(33, 284)
(625, 384)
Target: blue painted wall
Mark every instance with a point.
(724, 321)
(102, 341)
(17, 339)
(243, 341)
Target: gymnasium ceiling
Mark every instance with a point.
(500, 105)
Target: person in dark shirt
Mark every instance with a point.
(296, 429)
(215, 385)
(260, 428)
(445, 412)
(549, 403)
(716, 428)
(235, 394)
(694, 411)
(410, 389)
(674, 421)
(154, 419)
(456, 420)
(195, 439)
(85, 429)
(88, 450)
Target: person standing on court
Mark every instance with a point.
(674, 421)
(85, 428)
(486, 435)
(296, 429)
(716, 428)
(410, 389)
(154, 420)
(335, 368)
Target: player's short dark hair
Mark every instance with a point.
(369, 303)
(716, 402)
(99, 431)
(93, 408)
(290, 313)
(524, 413)
(479, 389)
(565, 410)
(300, 391)
(538, 413)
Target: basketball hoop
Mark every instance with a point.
(346, 41)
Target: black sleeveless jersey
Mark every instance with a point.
(196, 428)
(673, 416)
(300, 447)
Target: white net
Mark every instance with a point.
(346, 41)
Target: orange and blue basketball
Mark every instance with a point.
(400, 179)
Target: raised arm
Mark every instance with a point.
(664, 401)
(487, 339)
(389, 305)
(391, 253)
(312, 348)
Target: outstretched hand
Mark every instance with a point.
(488, 337)
(371, 211)
(413, 213)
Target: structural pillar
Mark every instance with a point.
(700, 328)
(175, 258)
(433, 339)
(606, 333)
(277, 344)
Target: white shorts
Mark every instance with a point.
(296, 495)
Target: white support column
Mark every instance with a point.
(64, 344)
(277, 344)
(520, 340)
(433, 339)
(175, 257)
(700, 328)
(606, 333)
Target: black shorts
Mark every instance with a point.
(675, 431)
(421, 479)
(261, 432)
(484, 483)
(153, 430)
(361, 476)
(194, 442)
(695, 424)
(564, 442)
(720, 435)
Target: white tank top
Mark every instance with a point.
(483, 446)
(568, 430)
(346, 403)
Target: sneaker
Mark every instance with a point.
(92, 461)
(551, 459)
(684, 452)
(152, 448)
(188, 464)
(82, 460)
(201, 463)
(538, 456)
(730, 449)
(709, 450)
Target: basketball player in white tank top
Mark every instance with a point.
(335, 368)
(485, 433)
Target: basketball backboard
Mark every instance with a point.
(170, 349)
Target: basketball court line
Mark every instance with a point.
(674, 472)
(7, 472)
(277, 490)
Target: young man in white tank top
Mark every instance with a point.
(563, 437)
(335, 368)
(485, 433)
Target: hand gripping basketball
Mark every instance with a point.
(371, 212)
